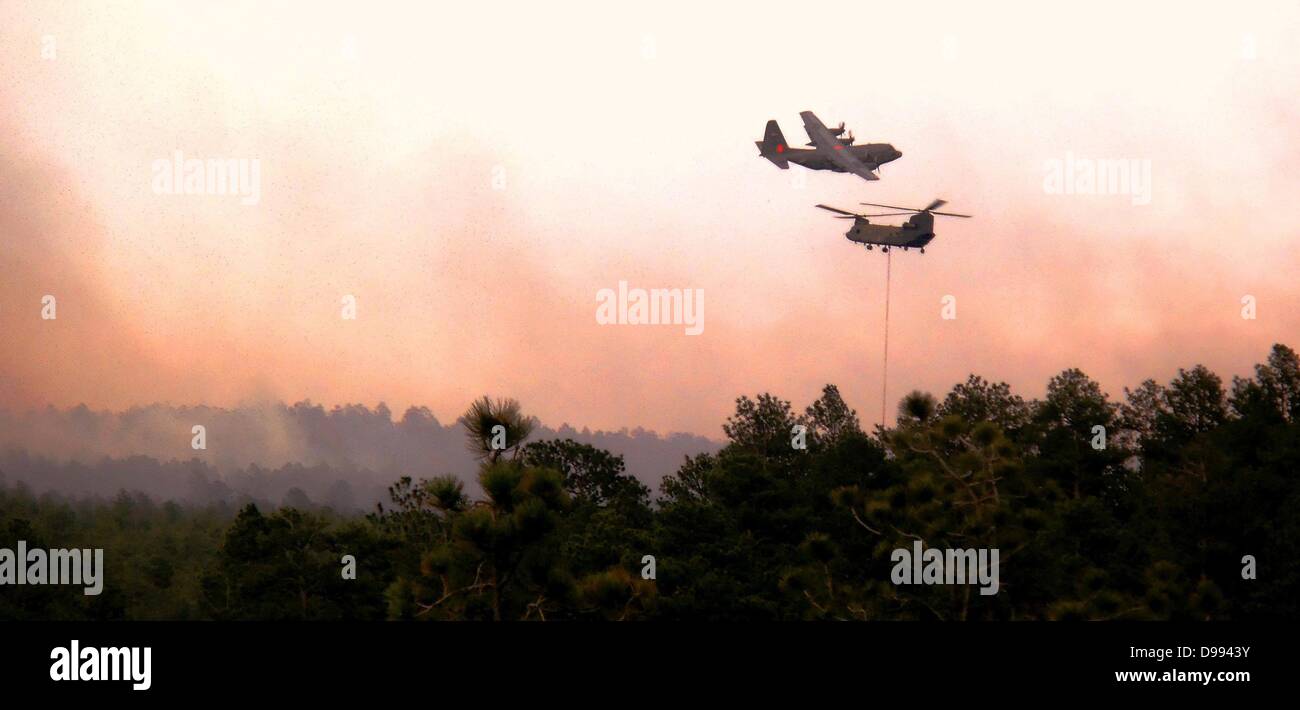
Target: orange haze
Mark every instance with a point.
(473, 175)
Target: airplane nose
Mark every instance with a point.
(898, 154)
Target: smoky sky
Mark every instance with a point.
(265, 450)
(474, 190)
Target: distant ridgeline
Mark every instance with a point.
(344, 457)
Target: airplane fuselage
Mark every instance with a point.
(818, 159)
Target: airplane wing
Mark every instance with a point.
(864, 172)
(817, 132)
(833, 149)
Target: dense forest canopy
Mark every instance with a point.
(1182, 501)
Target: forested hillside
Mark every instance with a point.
(1177, 501)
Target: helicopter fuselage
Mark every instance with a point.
(916, 232)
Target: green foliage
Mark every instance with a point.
(288, 565)
(487, 418)
(555, 536)
(155, 555)
(1151, 525)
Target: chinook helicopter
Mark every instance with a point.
(917, 231)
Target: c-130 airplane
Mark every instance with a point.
(829, 152)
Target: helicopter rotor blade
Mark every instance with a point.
(892, 207)
(839, 211)
(930, 208)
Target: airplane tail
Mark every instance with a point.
(773, 146)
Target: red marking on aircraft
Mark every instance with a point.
(780, 148)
